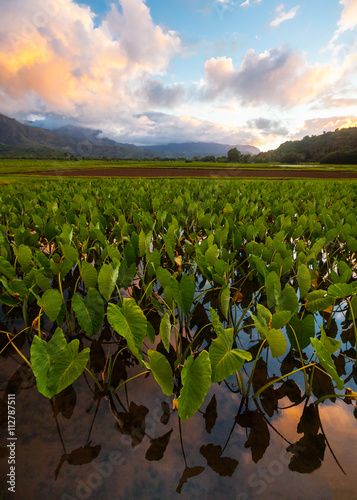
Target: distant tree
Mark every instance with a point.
(209, 158)
(233, 155)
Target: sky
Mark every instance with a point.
(257, 72)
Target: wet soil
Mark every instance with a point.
(192, 172)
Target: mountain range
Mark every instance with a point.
(19, 140)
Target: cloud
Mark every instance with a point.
(317, 125)
(348, 19)
(283, 16)
(267, 126)
(54, 59)
(247, 3)
(275, 77)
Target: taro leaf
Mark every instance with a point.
(196, 380)
(318, 300)
(4, 299)
(259, 437)
(66, 367)
(55, 363)
(326, 361)
(304, 329)
(24, 256)
(277, 342)
(183, 292)
(264, 316)
(144, 242)
(332, 345)
(260, 265)
(304, 279)
(158, 447)
(272, 284)
(70, 253)
(210, 414)
(224, 361)
(126, 274)
(165, 330)
(187, 474)
(51, 302)
(287, 300)
(151, 333)
(345, 273)
(224, 466)
(353, 308)
(130, 322)
(217, 325)
(224, 298)
(164, 276)
(340, 290)
(88, 274)
(107, 278)
(40, 360)
(42, 281)
(280, 319)
(162, 372)
(6, 269)
(89, 312)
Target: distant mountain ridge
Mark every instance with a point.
(17, 139)
(191, 149)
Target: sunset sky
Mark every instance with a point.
(256, 72)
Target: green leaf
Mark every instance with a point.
(287, 300)
(66, 367)
(340, 290)
(277, 342)
(162, 372)
(164, 276)
(51, 302)
(224, 298)
(332, 345)
(304, 279)
(318, 300)
(4, 299)
(183, 292)
(88, 274)
(24, 256)
(107, 278)
(272, 284)
(165, 330)
(56, 364)
(70, 253)
(130, 322)
(217, 325)
(326, 361)
(89, 312)
(196, 380)
(224, 361)
(304, 329)
(40, 360)
(280, 319)
(6, 269)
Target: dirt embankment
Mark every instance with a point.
(191, 172)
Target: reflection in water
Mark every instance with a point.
(70, 449)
